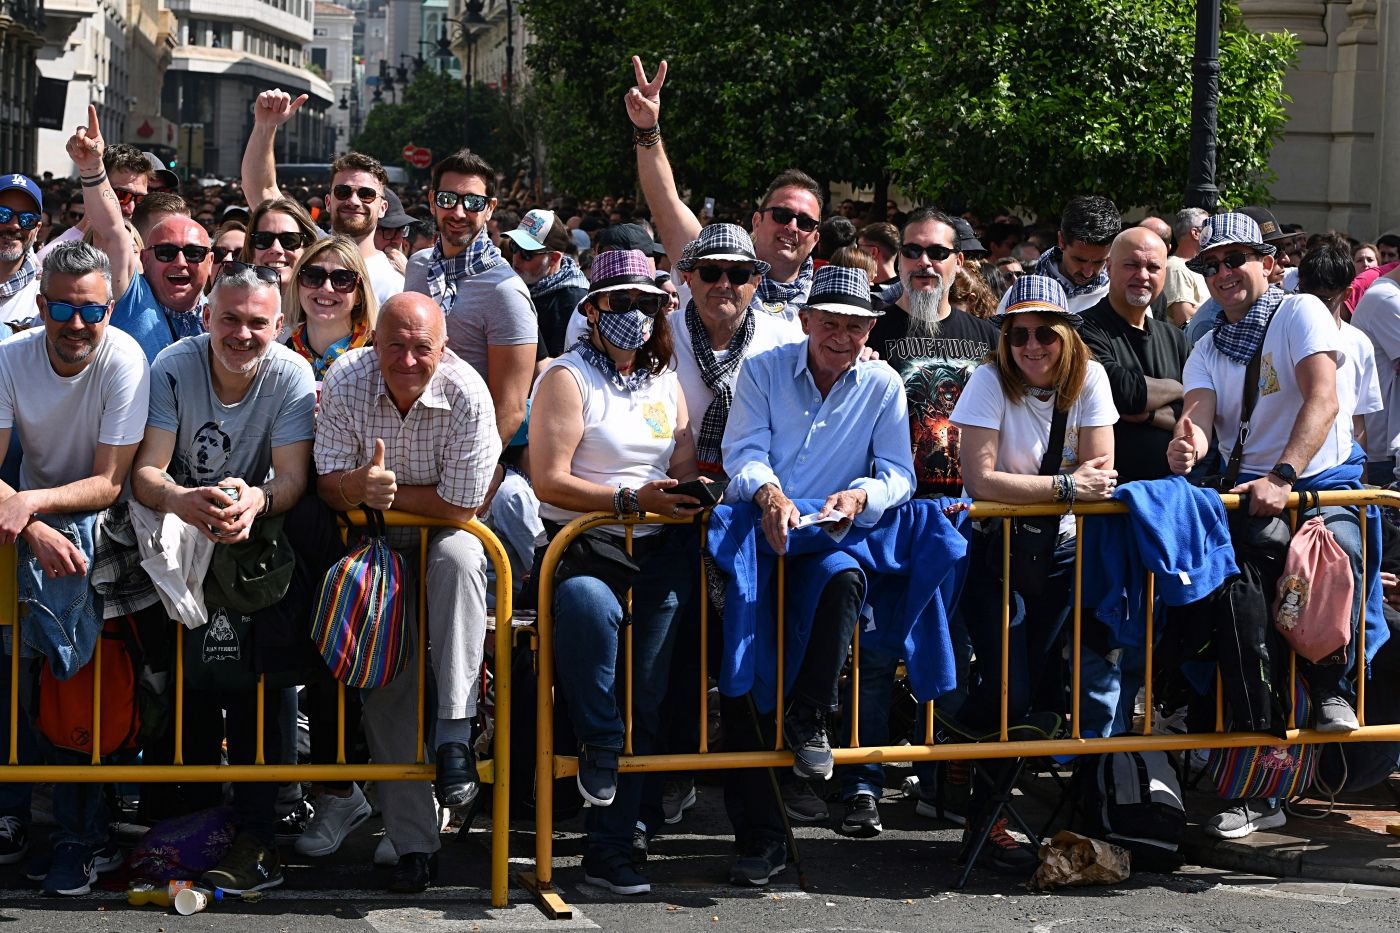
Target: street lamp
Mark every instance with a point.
(468, 26)
(1201, 190)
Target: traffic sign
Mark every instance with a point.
(421, 158)
(409, 150)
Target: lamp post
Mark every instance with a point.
(468, 26)
(1201, 190)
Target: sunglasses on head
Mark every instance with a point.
(935, 251)
(166, 252)
(126, 196)
(784, 216)
(650, 305)
(472, 203)
(62, 312)
(27, 220)
(1233, 261)
(265, 273)
(342, 280)
(289, 240)
(737, 275)
(1045, 335)
(343, 192)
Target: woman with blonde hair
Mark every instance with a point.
(329, 304)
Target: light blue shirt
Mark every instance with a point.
(782, 431)
(1202, 322)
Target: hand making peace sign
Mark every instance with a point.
(644, 100)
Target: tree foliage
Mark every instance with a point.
(1021, 102)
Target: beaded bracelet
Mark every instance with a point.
(630, 505)
(617, 502)
(647, 138)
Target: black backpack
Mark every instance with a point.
(1133, 800)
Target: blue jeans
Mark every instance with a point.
(590, 652)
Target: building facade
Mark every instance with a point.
(21, 36)
(332, 52)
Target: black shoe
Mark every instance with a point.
(414, 872)
(862, 817)
(758, 863)
(249, 865)
(639, 846)
(614, 871)
(457, 782)
(804, 728)
(1002, 849)
(597, 775)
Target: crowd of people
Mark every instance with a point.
(228, 365)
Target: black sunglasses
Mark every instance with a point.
(290, 239)
(221, 253)
(343, 192)
(27, 220)
(1045, 335)
(265, 273)
(785, 216)
(650, 305)
(473, 203)
(937, 252)
(1232, 261)
(166, 252)
(342, 280)
(526, 254)
(737, 275)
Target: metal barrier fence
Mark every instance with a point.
(495, 771)
(548, 762)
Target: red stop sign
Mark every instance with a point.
(421, 158)
(409, 150)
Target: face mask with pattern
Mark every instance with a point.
(629, 331)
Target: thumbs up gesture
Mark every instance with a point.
(85, 146)
(1181, 452)
(380, 484)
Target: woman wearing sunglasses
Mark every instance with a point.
(329, 305)
(610, 433)
(279, 229)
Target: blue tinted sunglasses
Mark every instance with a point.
(62, 312)
(28, 220)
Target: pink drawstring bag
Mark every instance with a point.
(1313, 609)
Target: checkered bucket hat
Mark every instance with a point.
(721, 241)
(842, 291)
(1038, 293)
(1230, 229)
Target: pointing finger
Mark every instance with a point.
(92, 128)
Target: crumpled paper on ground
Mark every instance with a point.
(1072, 860)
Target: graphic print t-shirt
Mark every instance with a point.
(934, 371)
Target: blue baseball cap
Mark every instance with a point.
(24, 183)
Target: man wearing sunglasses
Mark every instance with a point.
(20, 204)
(1079, 261)
(543, 254)
(491, 322)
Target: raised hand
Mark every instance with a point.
(644, 100)
(275, 107)
(85, 146)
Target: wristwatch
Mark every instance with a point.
(1285, 472)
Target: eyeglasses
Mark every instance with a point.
(343, 192)
(75, 216)
(1210, 267)
(289, 240)
(126, 196)
(267, 274)
(936, 252)
(62, 312)
(27, 220)
(737, 275)
(342, 280)
(166, 252)
(650, 305)
(221, 252)
(472, 203)
(784, 216)
(1045, 335)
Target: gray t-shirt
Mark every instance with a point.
(62, 419)
(493, 309)
(213, 440)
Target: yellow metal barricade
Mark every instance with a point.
(495, 771)
(548, 762)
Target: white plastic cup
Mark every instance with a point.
(191, 901)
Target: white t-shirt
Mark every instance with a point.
(1377, 315)
(768, 332)
(1301, 327)
(62, 419)
(21, 307)
(1358, 388)
(383, 277)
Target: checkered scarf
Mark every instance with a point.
(1049, 264)
(719, 377)
(1238, 341)
(569, 274)
(636, 379)
(444, 273)
(16, 283)
(790, 295)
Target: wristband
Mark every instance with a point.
(267, 501)
(617, 502)
(92, 181)
(343, 496)
(647, 138)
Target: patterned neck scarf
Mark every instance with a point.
(320, 362)
(1049, 264)
(26, 273)
(719, 377)
(636, 379)
(445, 273)
(569, 274)
(184, 323)
(783, 297)
(1238, 341)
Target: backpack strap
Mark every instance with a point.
(1054, 450)
(1251, 395)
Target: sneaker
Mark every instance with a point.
(862, 817)
(639, 845)
(1334, 713)
(385, 855)
(804, 729)
(1244, 818)
(334, 818)
(414, 872)
(758, 863)
(802, 803)
(1002, 849)
(597, 776)
(950, 798)
(676, 798)
(615, 871)
(291, 826)
(73, 871)
(106, 859)
(14, 840)
(249, 865)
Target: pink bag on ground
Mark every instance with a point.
(1313, 609)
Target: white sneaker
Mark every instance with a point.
(1245, 817)
(334, 818)
(385, 854)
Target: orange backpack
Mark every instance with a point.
(65, 706)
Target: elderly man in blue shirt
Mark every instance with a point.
(810, 420)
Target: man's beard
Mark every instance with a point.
(352, 225)
(73, 358)
(13, 250)
(923, 311)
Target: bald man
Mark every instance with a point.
(166, 301)
(1158, 226)
(408, 425)
(1143, 357)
